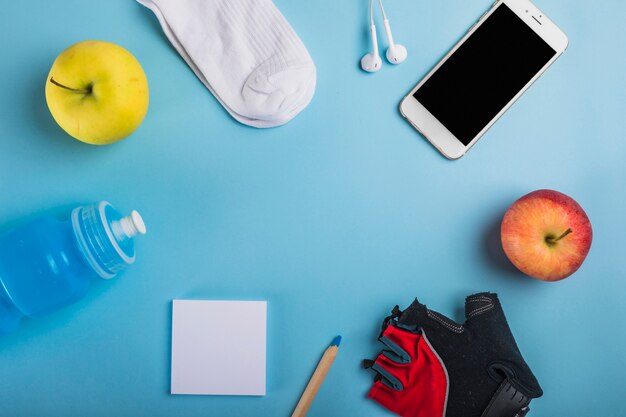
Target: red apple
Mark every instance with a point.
(546, 235)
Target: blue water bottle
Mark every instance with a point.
(49, 263)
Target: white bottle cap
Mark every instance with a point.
(133, 224)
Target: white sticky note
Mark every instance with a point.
(218, 347)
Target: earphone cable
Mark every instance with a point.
(382, 9)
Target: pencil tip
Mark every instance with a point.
(336, 341)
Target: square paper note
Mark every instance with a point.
(218, 347)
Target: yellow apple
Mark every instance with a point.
(97, 92)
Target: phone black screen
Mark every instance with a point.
(484, 74)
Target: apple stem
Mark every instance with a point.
(83, 91)
(552, 240)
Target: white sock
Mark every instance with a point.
(245, 53)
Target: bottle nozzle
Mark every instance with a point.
(133, 224)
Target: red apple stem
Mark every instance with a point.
(553, 240)
(75, 90)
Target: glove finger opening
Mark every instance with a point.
(394, 352)
(387, 378)
(480, 303)
(400, 345)
(418, 316)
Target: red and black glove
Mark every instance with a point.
(434, 367)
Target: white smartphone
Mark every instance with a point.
(505, 51)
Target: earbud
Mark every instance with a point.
(396, 54)
(371, 62)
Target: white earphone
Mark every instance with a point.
(396, 54)
(371, 62)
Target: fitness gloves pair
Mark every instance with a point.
(432, 366)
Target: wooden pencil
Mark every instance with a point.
(317, 378)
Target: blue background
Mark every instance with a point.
(333, 218)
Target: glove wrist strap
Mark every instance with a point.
(507, 402)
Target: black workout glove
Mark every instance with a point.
(485, 374)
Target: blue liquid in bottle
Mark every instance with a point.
(48, 264)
